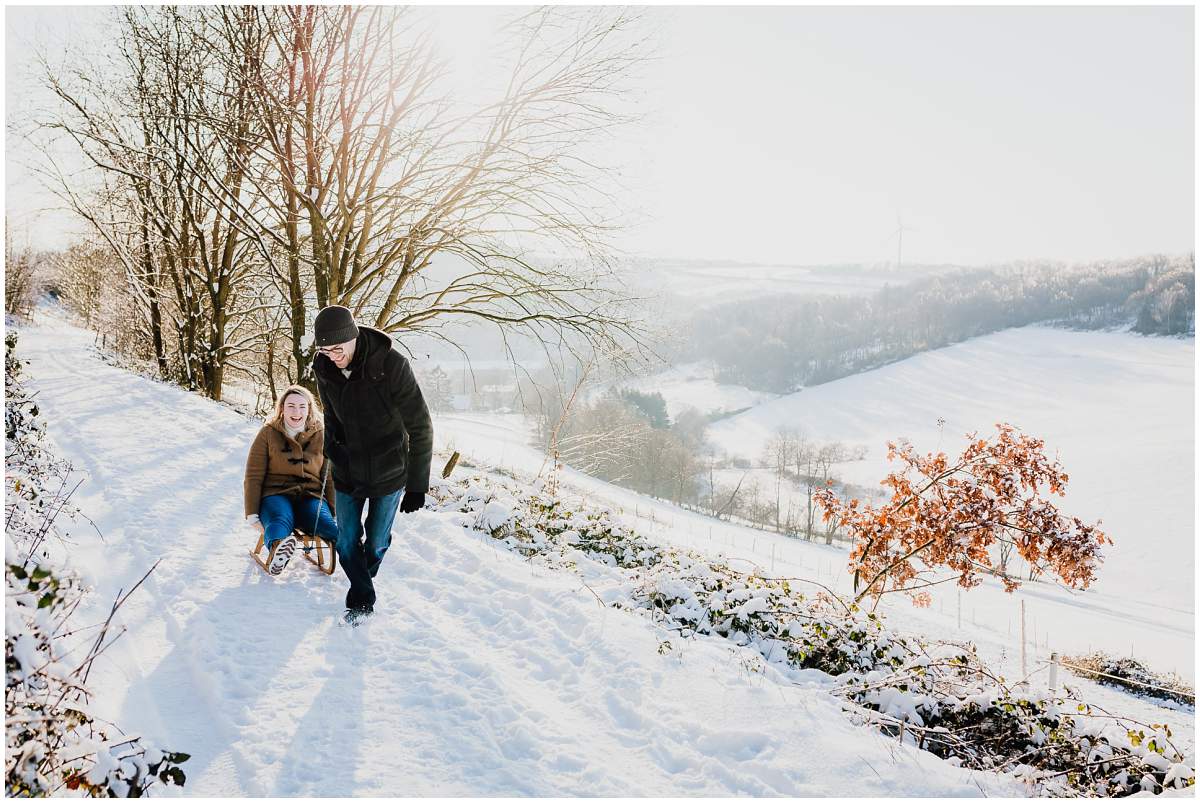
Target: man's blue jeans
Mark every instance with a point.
(281, 513)
(360, 559)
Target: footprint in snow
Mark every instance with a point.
(739, 745)
(622, 713)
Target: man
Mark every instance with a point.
(378, 437)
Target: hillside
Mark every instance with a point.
(1116, 407)
(480, 675)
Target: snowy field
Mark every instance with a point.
(1117, 408)
(702, 284)
(480, 675)
(692, 385)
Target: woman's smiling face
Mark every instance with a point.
(295, 411)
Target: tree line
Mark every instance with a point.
(782, 343)
(626, 437)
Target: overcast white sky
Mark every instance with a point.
(800, 134)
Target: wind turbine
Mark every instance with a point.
(899, 235)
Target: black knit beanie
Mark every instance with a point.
(334, 325)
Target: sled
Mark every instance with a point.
(325, 559)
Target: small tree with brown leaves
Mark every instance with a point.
(949, 515)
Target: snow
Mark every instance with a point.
(692, 385)
(1116, 407)
(896, 703)
(495, 515)
(480, 674)
(25, 652)
(1118, 410)
(1062, 621)
(700, 284)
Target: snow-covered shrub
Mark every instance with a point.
(533, 521)
(34, 477)
(938, 696)
(708, 596)
(53, 743)
(1131, 675)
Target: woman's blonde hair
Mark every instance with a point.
(314, 414)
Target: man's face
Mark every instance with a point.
(340, 353)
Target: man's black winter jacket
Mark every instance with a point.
(378, 434)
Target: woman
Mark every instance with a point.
(283, 478)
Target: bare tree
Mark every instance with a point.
(164, 120)
(83, 276)
(826, 457)
(778, 454)
(21, 269)
(247, 160)
(388, 178)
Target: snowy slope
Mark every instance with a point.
(1116, 620)
(692, 385)
(480, 676)
(700, 284)
(1058, 620)
(1118, 409)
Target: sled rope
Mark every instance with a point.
(321, 496)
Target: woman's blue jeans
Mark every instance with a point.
(282, 513)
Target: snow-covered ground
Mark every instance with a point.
(480, 674)
(1117, 408)
(692, 385)
(709, 283)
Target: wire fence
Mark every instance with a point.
(1131, 681)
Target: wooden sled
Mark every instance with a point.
(325, 559)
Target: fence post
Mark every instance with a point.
(1024, 663)
(1053, 671)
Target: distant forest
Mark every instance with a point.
(783, 343)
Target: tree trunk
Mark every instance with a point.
(151, 281)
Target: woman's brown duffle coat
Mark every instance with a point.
(278, 464)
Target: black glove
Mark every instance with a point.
(413, 500)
